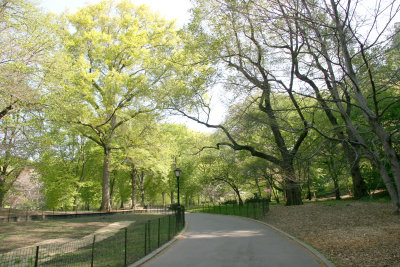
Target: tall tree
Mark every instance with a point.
(347, 61)
(118, 56)
(231, 37)
(27, 42)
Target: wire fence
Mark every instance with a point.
(254, 209)
(111, 248)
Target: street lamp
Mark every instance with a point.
(178, 174)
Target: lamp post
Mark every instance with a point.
(179, 221)
(178, 174)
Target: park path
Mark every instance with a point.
(217, 240)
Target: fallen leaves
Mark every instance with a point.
(349, 233)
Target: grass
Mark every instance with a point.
(252, 210)
(22, 234)
(107, 252)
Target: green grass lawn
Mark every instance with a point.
(128, 244)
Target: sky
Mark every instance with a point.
(170, 9)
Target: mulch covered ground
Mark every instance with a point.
(349, 233)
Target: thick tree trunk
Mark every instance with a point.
(359, 186)
(105, 201)
(293, 193)
(292, 188)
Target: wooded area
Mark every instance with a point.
(312, 89)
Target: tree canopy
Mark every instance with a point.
(311, 88)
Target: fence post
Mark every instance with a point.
(183, 216)
(263, 208)
(159, 234)
(9, 213)
(145, 238)
(148, 227)
(169, 227)
(126, 245)
(37, 256)
(92, 260)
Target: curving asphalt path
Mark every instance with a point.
(218, 240)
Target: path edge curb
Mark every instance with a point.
(161, 249)
(311, 250)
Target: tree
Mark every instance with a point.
(118, 55)
(232, 38)
(27, 39)
(347, 61)
(26, 45)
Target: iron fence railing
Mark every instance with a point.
(111, 248)
(253, 209)
(8, 215)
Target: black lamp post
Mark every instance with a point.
(178, 174)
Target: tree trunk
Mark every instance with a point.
(172, 197)
(238, 196)
(142, 190)
(105, 201)
(292, 188)
(371, 116)
(337, 190)
(293, 193)
(258, 187)
(133, 186)
(3, 189)
(163, 198)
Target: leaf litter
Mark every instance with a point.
(349, 233)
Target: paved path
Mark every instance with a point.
(217, 240)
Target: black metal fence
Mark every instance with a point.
(8, 215)
(111, 248)
(253, 209)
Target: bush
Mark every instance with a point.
(256, 200)
(174, 206)
(231, 201)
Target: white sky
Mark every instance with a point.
(169, 9)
